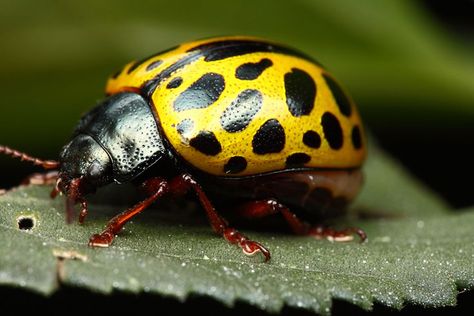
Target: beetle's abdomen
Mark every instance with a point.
(240, 106)
(312, 194)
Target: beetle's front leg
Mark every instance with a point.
(156, 186)
(36, 178)
(39, 178)
(45, 178)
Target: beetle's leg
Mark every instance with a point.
(39, 178)
(74, 196)
(36, 178)
(185, 182)
(262, 208)
(84, 211)
(158, 186)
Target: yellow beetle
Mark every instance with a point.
(259, 126)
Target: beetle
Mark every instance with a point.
(261, 126)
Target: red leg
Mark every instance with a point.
(258, 209)
(47, 178)
(106, 237)
(73, 197)
(46, 164)
(184, 183)
(41, 178)
(178, 186)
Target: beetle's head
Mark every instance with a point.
(84, 166)
(83, 158)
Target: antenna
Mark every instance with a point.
(46, 164)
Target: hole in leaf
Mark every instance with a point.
(26, 223)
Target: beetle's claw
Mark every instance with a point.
(251, 248)
(102, 240)
(344, 235)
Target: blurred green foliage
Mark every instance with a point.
(56, 55)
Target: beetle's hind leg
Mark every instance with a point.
(263, 208)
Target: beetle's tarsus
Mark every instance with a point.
(249, 247)
(102, 240)
(344, 235)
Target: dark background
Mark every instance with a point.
(420, 106)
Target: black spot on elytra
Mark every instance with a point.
(270, 138)
(174, 83)
(237, 116)
(136, 64)
(251, 71)
(207, 143)
(356, 137)
(154, 64)
(312, 139)
(202, 93)
(133, 67)
(300, 91)
(222, 49)
(341, 98)
(116, 74)
(185, 126)
(297, 159)
(332, 130)
(235, 164)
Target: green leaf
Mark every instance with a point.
(420, 259)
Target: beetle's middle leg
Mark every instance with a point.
(263, 208)
(185, 182)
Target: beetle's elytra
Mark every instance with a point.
(262, 126)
